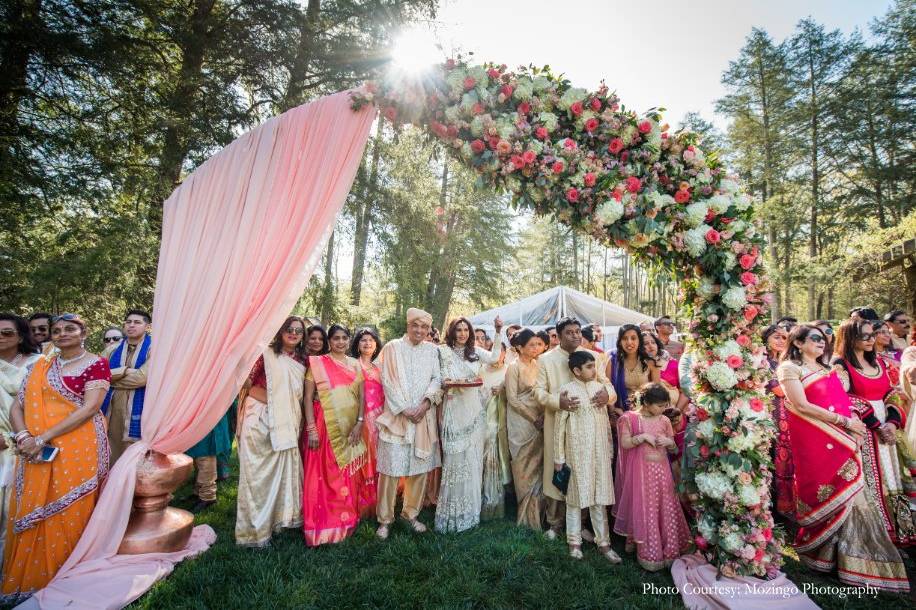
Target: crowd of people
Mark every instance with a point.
(332, 426)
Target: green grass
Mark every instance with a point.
(496, 565)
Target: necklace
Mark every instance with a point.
(65, 361)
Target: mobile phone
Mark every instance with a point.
(48, 453)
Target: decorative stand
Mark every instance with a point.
(154, 526)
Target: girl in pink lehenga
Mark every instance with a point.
(647, 511)
(365, 347)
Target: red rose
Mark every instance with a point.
(702, 415)
(750, 312)
(747, 261)
(758, 556)
(756, 405)
(469, 83)
(743, 340)
(595, 104)
(572, 195)
(494, 142)
(576, 108)
(391, 113)
(507, 90)
(748, 278)
(590, 179)
(478, 146)
(452, 131)
(517, 161)
(557, 167)
(615, 146)
(682, 196)
(710, 214)
(541, 133)
(735, 361)
(633, 184)
(493, 73)
(712, 236)
(529, 156)
(767, 534)
(624, 156)
(704, 451)
(477, 108)
(644, 127)
(617, 195)
(591, 125)
(524, 108)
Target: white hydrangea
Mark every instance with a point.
(452, 114)
(721, 376)
(455, 80)
(524, 90)
(627, 133)
(728, 185)
(748, 495)
(537, 147)
(735, 297)
(572, 96)
(742, 442)
(477, 127)
(661, 200)
(732, 542)
(704, 177)
(729, 348)
(705, 429)
(541, 83)
(466, 152)
(738, 226)
(696, 213)
(705, 288)
(742, 202)
(505, 127)
(548, 119)
(655, 136)
(720, 203)
(695, 240)
(730, 260)
(744, 407)
(708, 528)
(468, 100)
(713, 484)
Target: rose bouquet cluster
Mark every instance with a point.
(623, 178)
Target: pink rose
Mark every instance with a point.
(750, 312)
(452, 131)
(557, 167)
(615, 146)
(529, 156)
(704, 451)
(517, 161)
(572, 195)
(747, 261)
(743, 340)
(590, 179)
(767, 534)
(576, 108)
(494, 142)
(701, 542)
(506, 90)
(570, 144)
(503, 148)
(478, 146)
(624, 156)
(735, 361)
(756, 405)
(758, 556)
(682, 196)
(541, 133)
(644, 127)
(633, 184)
(469, 83)
(524, 108)
(595, 104)
(477, 108)
(591, 125)
(748, 278)
(712, 236)
(493, 73)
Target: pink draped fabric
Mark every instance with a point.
(260, 208)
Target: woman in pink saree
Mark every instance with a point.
(839, 527)
(365, 347)
(336, 463)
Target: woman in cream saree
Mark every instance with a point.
(270, 465)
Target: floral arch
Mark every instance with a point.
(625, 180)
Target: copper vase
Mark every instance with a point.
(154, 526)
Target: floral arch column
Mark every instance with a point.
(626, 181)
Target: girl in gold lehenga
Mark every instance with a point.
(525, 420)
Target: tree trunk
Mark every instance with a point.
(363, 222)
(767, 170)
(327, 291)
(308, 39)
(815, 187)
(24, 21)
(436, 272)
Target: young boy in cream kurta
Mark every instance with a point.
(583, 441)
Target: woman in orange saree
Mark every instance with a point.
(337, 465)
(839, 528)
(58, 406)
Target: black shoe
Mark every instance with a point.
(202, 505)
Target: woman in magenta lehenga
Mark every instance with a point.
(883, 412)
(365, 347)
(337, 463)
(839, 526)
(775, 338)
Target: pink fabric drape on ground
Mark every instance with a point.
(240, 239)
(700, 590)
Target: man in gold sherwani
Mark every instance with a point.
(554, 373)
(129, 362)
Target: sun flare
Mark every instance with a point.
(415, 50)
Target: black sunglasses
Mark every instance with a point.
(111, 339)
(817, 338)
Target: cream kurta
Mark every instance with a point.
(553, 373)
(581, 440)
(124, 380)
(410, 373)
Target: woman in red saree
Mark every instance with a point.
(839, 528)
(365, 348)
(337, 463)
(58, 406)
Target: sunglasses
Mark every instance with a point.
(294, 331)
(827, 331)
(8, 332)
(867, 337)
(111, 339)
(817, 339)
(66, 317)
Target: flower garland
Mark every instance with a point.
(625, 180)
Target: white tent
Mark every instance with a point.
(545, 308)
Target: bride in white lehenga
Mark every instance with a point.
(463, 427)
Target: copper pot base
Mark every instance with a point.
(163, 531)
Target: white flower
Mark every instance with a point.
(729, 348)
(732, 542)
(713, 484)
(749, 495)
(468, 100)
(466, 152)
(730, 260)
(549, 120)
(695, 240)
(572, 96)
(541, 83)
(696, 213)
(452, 114)
(476, 126)
(728, 185)
(734, 297)
(524, 89)
(661, 200)
(742, 442)
(720, 203)
(704, 177)
(655, 136)
(708, 528)
(742, 202)
(628, 133)
(705, 289)
(537, 147)
(721, 376)
(455, 80)
(705, 429)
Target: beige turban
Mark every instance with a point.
(418, 314)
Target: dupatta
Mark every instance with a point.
(337, 395)
(629, 486)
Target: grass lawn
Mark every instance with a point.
(496, 565)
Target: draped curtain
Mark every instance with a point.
(240, 239)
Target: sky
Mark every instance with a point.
(653, 53)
